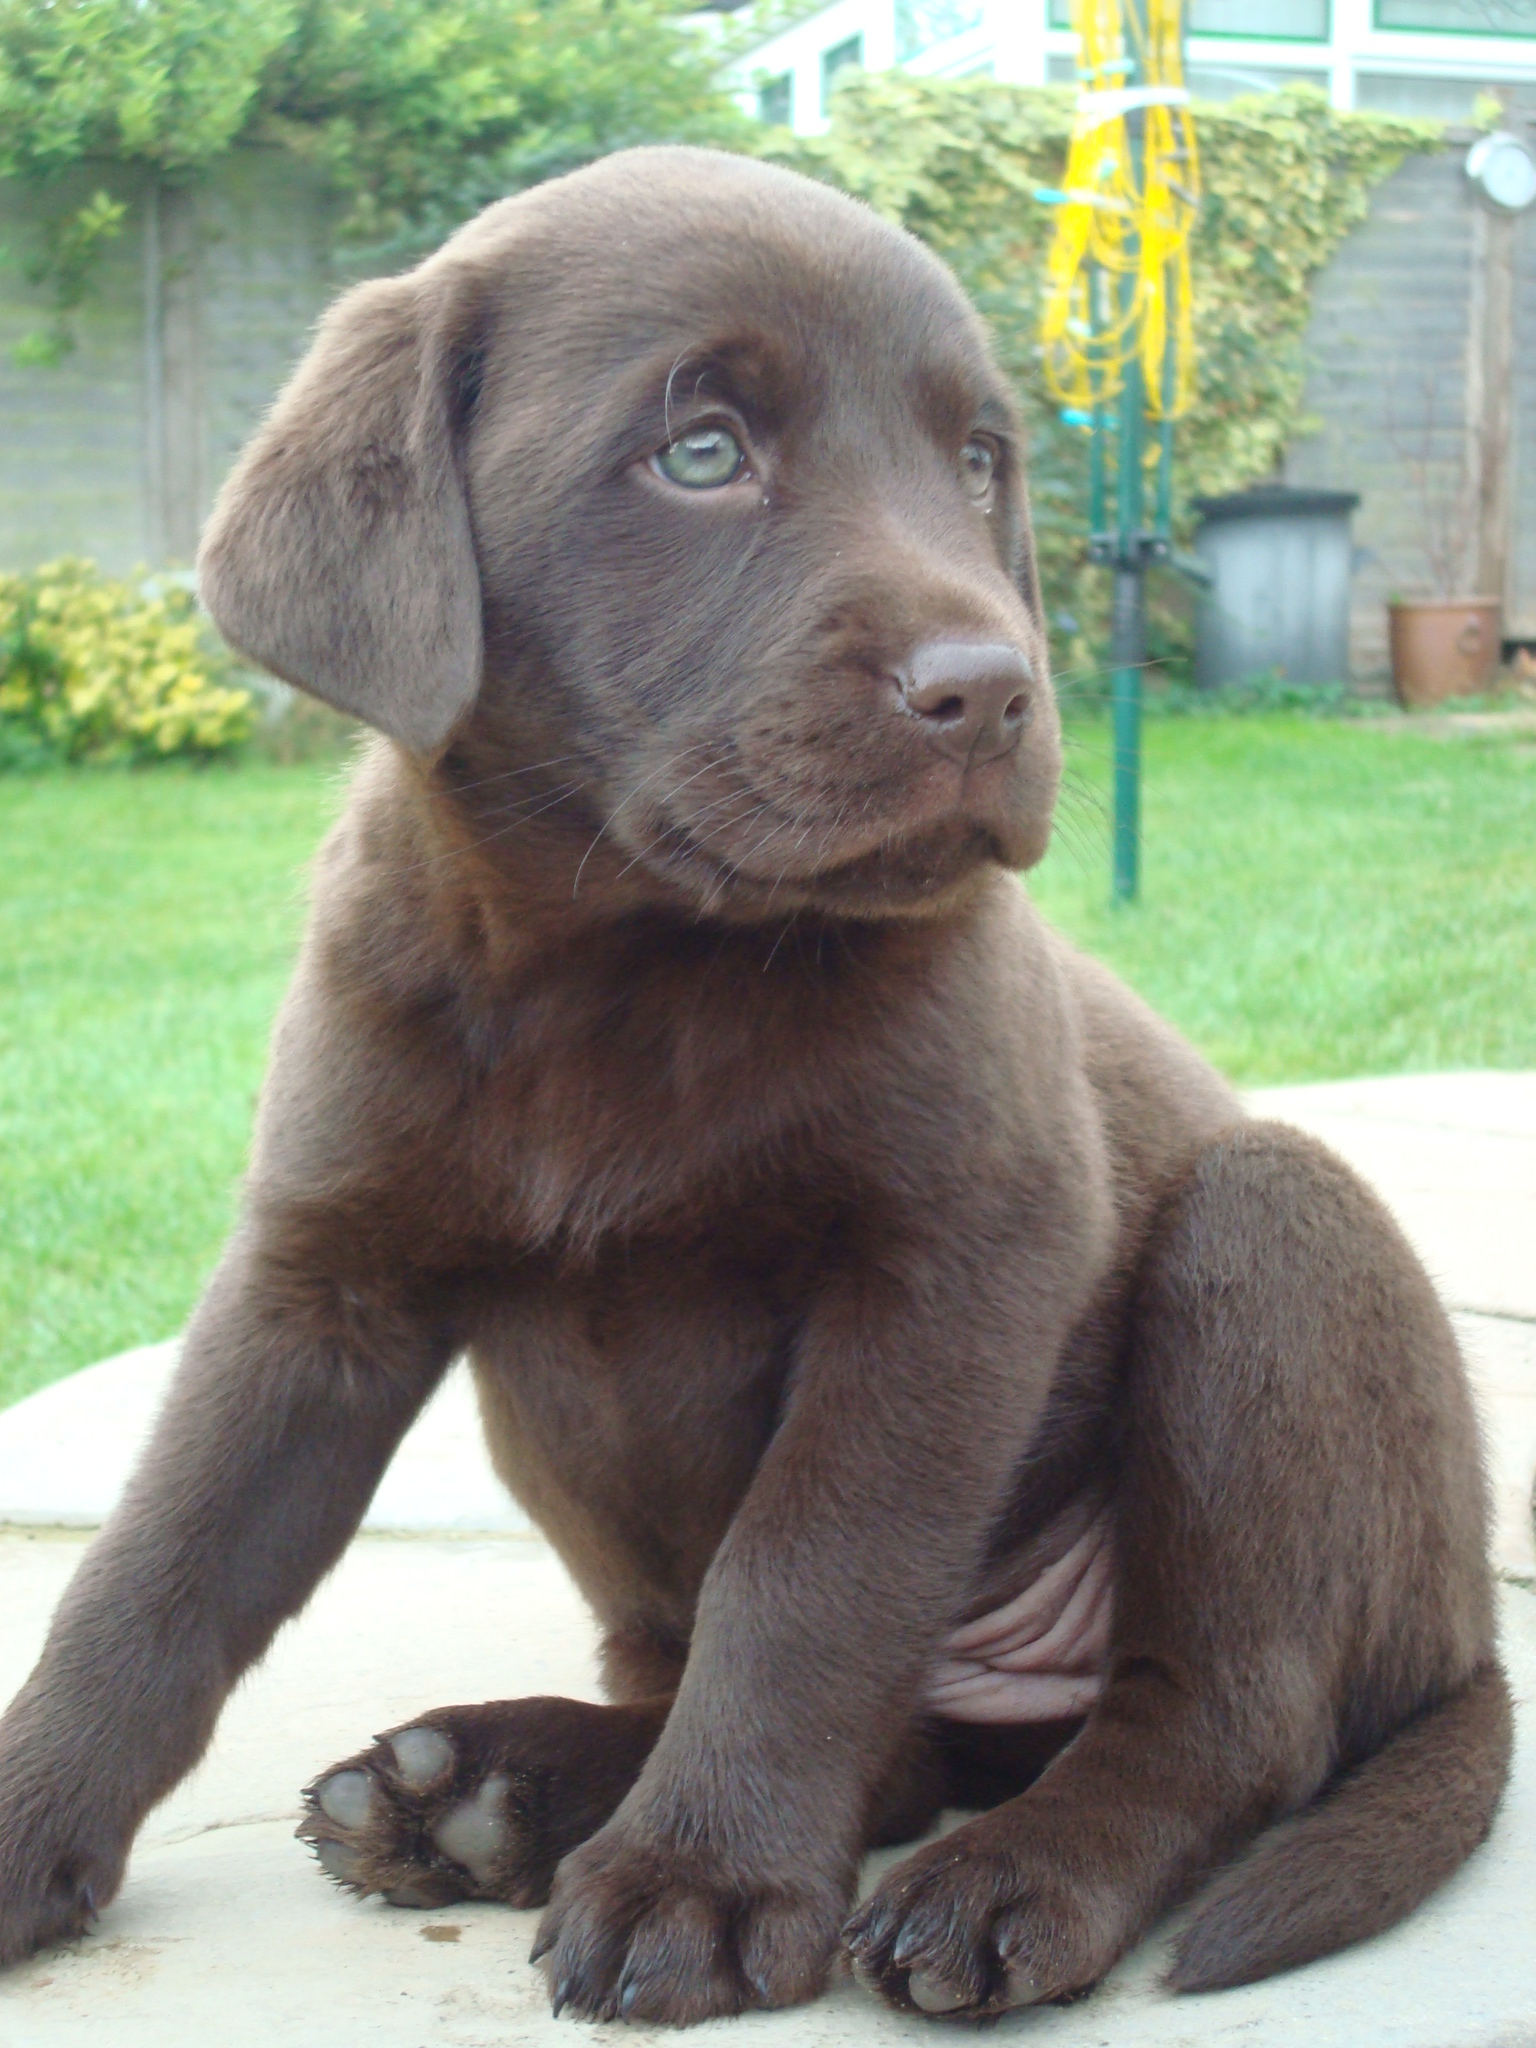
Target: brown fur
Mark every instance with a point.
(830, 1240)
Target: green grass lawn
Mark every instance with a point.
(1320, 899)
(147, 923)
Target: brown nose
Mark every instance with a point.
(971, 696)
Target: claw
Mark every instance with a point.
(1018, 1986)
(864, 1973)
(541, 1948)
(562, 1996)
(876, 1924)
(907, 1947)
(856, 1928)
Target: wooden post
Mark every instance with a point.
(173, 375)
(1490, 397)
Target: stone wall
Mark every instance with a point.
(205, 301)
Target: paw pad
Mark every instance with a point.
(396, 1824)
(339, 1861)
(346, 1798)
(475, 1832)
(422, 1756)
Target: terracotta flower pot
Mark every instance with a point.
(1442, 646)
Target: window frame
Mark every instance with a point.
(829, 78)
(1497, 35)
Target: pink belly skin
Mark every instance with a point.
(1042, 1656)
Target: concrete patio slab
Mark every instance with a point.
(66, 1452)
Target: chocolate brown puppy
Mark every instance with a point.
(935, 1386)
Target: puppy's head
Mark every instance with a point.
(690, 490)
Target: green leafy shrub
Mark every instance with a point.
(419, 111)
(95, 670)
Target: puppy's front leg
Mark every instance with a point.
(290, 1398)
(721, 1881)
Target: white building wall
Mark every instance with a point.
(1357, 63)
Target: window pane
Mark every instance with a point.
(1235, 81)
(1306, 20)
(841, 57)
(922, 23)
(1060, 14)
(1463, 17)
(1424, 99)
(776, 101)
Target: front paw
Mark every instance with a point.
(991, 1917)
(641, 1930)
(51, 1887)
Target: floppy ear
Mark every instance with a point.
(339, 554)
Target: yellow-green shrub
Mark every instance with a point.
(92, 669)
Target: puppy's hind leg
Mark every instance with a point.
(291, 1396)
(1301, 1577)
(477, 1802)
(483, 1802)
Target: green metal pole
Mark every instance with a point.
(1128, 645)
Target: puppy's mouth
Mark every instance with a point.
(743, 852)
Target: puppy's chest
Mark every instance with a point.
(628, 1400)
(583, 1131)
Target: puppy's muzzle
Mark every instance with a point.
(972, 698)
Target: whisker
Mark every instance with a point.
(510, 774)
(671, 761)
(719, 804)
(666, 396)
(457, 852)
(773, 949)
(730, 872)
(772, 832)
(666, 800)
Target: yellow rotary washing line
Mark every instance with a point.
(1117, 279)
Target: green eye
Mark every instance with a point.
(701, 460)
(978, 460)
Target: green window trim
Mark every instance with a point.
(1502, 35)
